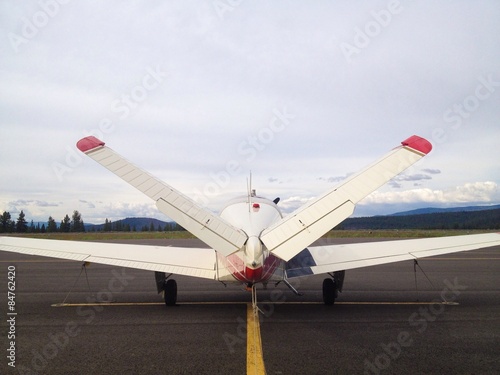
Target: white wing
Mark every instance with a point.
(211, 229)
(298, 230)
(197, 262)
(324, 259)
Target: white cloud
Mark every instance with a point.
(431, 171)
(477, 192)
(292, 203)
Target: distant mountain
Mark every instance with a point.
(433, 210)
(455, 219)
(470, 217)
(37, 223)
(134, 222)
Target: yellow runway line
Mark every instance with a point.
(255, 360)
(463, 258)
(398, 303)
(77, 304)
(38, 261)
(107, 304)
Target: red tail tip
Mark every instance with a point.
(89, 143)
(418, 143)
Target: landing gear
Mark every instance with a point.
(332, 287)
(166, 286)
(329, 292)
(170, 292)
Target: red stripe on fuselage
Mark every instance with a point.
(246, 274)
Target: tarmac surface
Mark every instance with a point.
(380, 324)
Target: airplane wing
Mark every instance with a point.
(331, 258)
(197, 262)
(298, 230)
(211, 229)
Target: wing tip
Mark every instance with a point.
(89, 143)
(418, 143)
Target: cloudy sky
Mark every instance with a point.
(200, 93)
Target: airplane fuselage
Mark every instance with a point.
(253, 263)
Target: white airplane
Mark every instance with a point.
(250, 241)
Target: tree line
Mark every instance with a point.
(489, 219)
(20, 225)
(75, 224)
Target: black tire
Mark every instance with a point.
(329, 292)
(170, 292)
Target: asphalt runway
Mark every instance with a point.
(380, 324)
